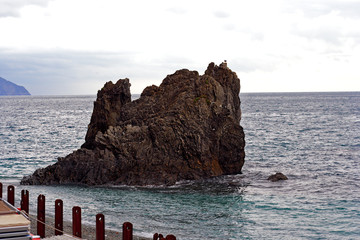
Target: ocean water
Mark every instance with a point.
(313, 138)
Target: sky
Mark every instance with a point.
(72, 47)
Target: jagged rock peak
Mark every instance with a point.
(187, 128)
(108, 104)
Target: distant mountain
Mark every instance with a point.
(9, 88)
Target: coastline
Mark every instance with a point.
(88, 232)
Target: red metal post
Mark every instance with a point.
(1, 186)
(11, 195)
(76, 213)
(100, 227)
(59, 228)
(41, 216)
(170, 237)
(25, 201)
(127, 231)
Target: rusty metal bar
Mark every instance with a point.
(76, 213)
(25, 201)
(11, 195)
(59, 228)
(100, 227)
(1, 189)
(41, 216)
(127, 231)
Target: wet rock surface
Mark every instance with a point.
(277, 177)
(185, 129)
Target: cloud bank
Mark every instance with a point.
(73, 47)
(11, 8)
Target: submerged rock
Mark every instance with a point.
(187, 128)
(277, 177)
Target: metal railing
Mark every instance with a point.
(127, 230)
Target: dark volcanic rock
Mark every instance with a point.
(9, 88)
(187, 128)
(277, 177)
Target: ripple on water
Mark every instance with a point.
(312, 138)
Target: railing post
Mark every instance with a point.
(76, 213)
(59, 228)
(1, 187)
(11, 195)
(41, 216)
(100, 227)
(25, 201)
(170, 237)
(127, 231)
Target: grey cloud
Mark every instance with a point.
(257, 36)
(11, 8)
(177, 10)
(267, 63)
(327, 34)
(311, 8)
(72, 72)
(57, 72)
(229, 27)
(332, 35)
(221, 14)
(349, 9)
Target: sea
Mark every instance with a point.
(312, 138)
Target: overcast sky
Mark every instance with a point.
(75, 46)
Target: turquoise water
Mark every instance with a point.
(313, 138)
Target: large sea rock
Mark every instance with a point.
(187, 128)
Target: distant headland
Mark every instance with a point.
(8, 88)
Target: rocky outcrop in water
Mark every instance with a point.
(277, 177)
(187, 128)
(8, 88)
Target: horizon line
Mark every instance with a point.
(94, 94)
